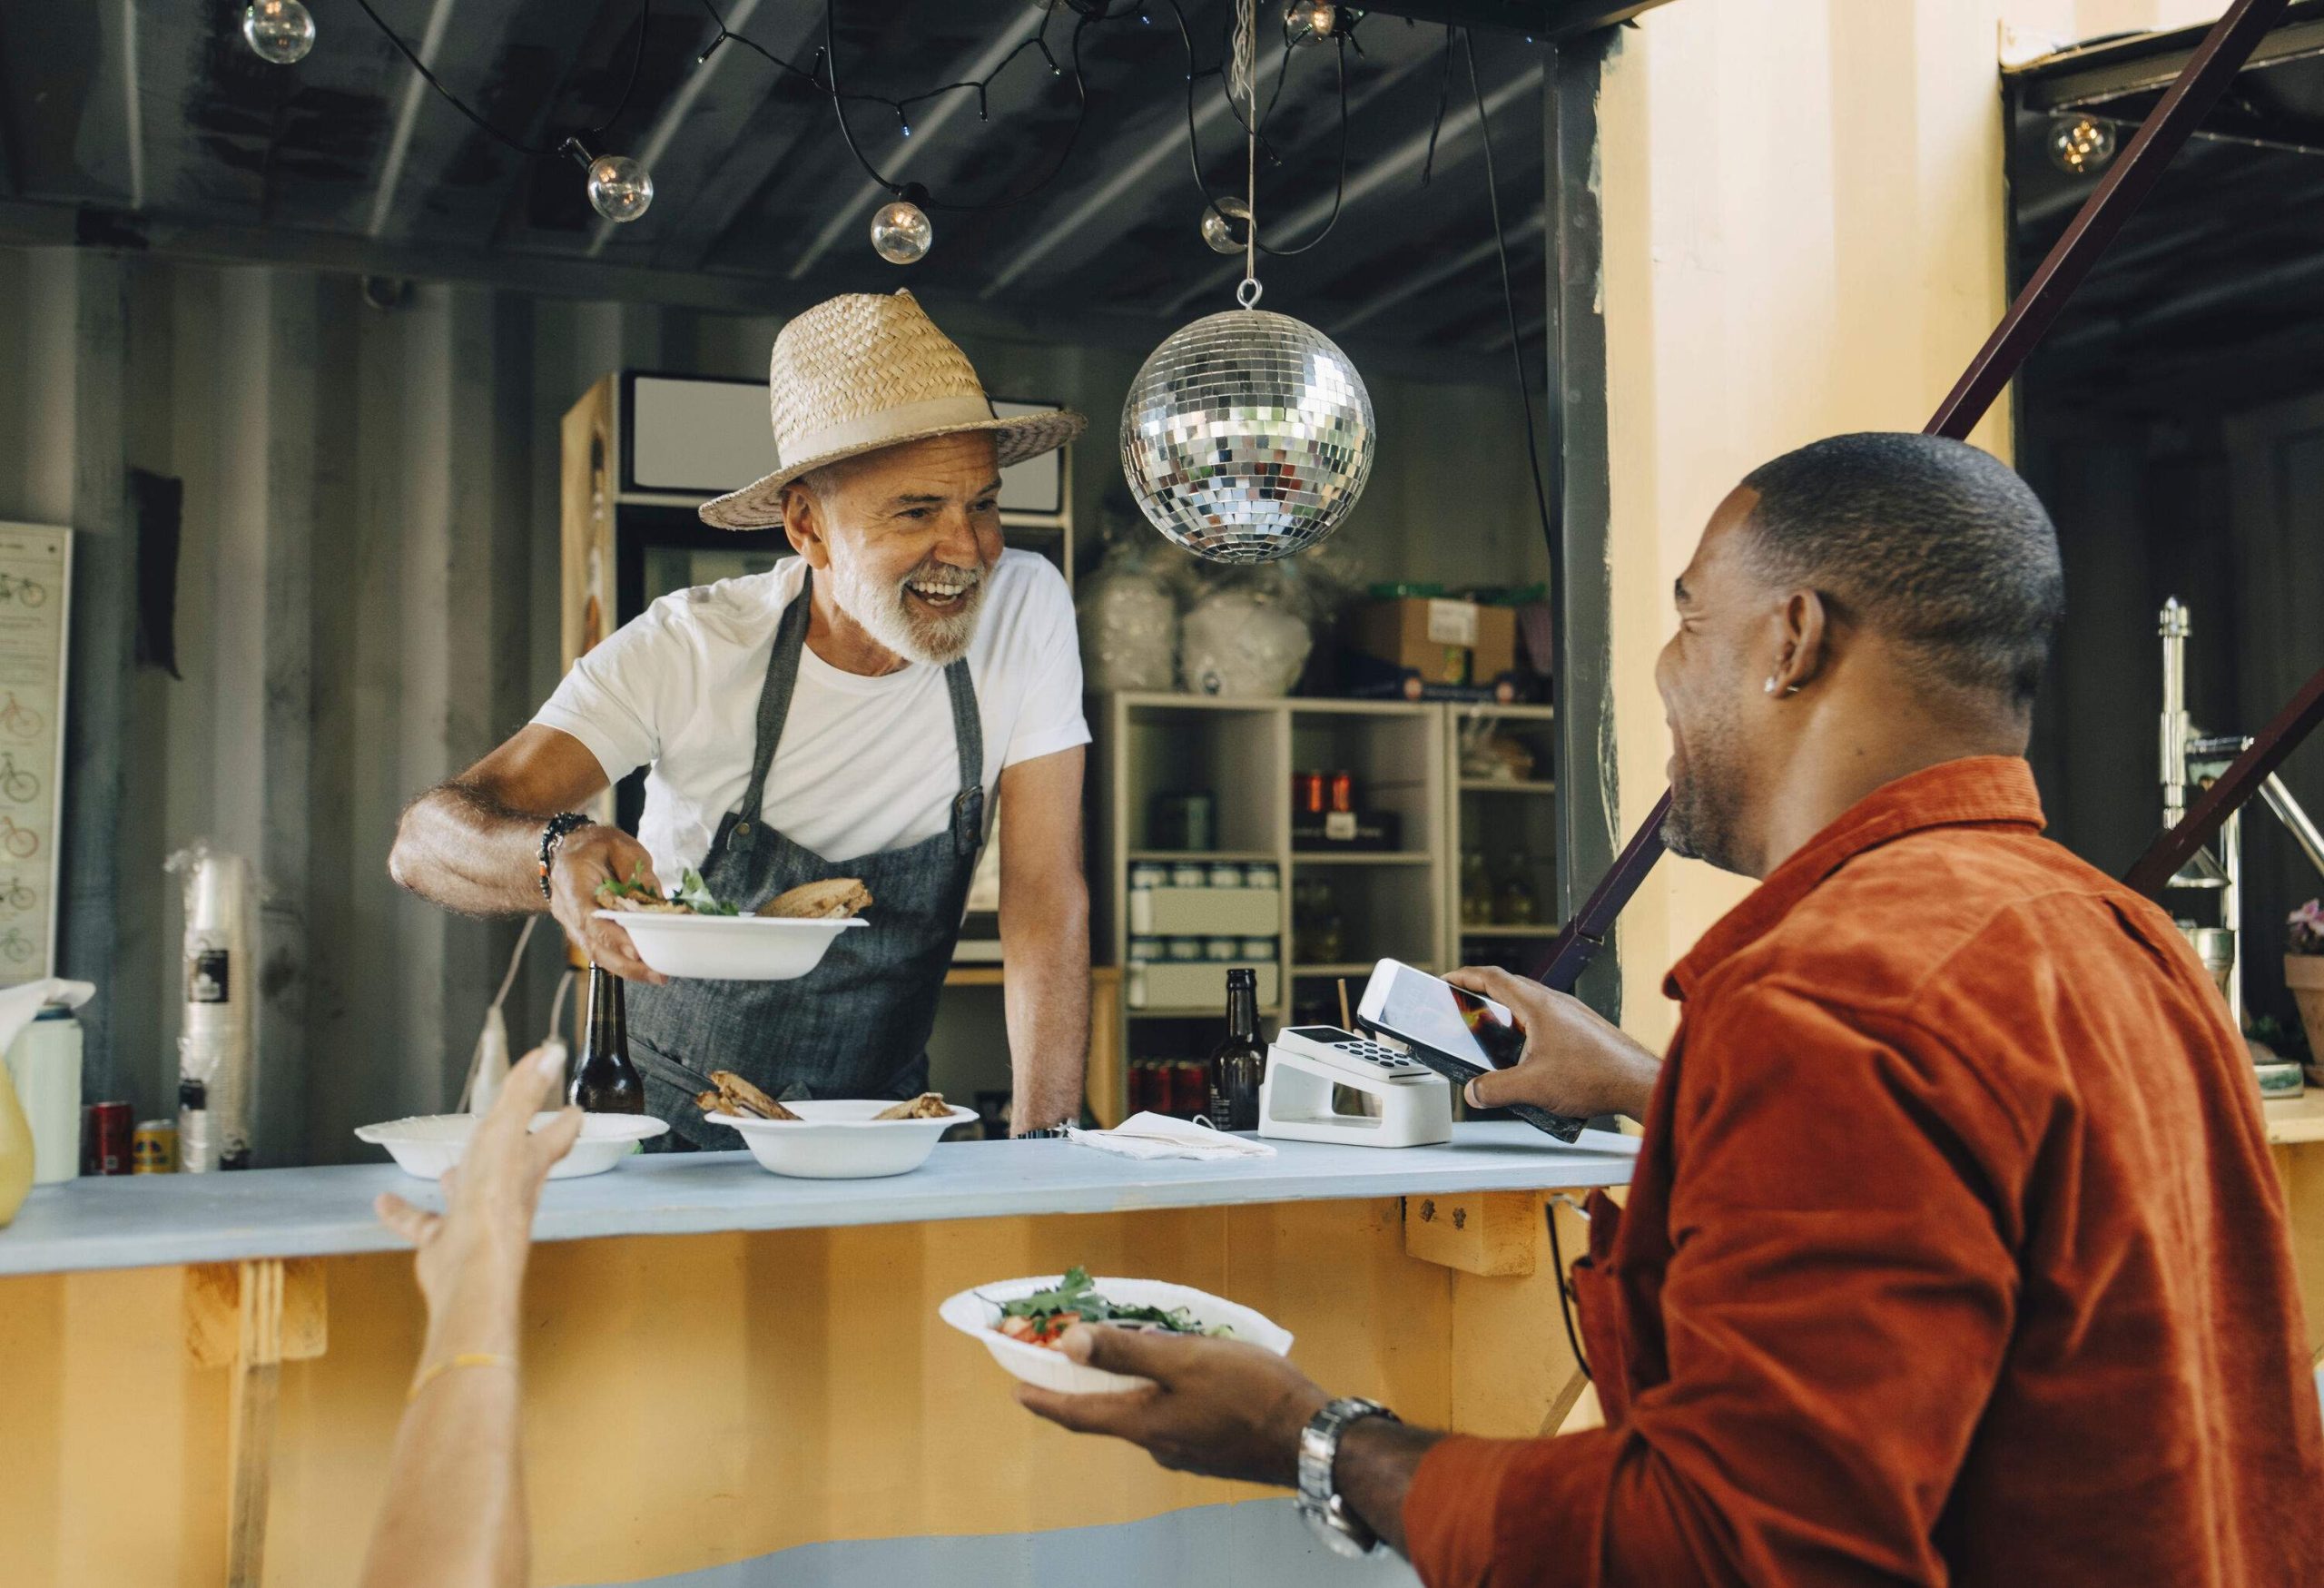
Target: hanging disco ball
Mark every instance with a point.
(1247, 436)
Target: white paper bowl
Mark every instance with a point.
(428, 1144)
(837, 1139)
(976, 1312)
(729, 948)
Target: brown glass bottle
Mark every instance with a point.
(1239, 1063)
(604, 1080)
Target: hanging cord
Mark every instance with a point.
(1241, 78)
(557, 1006)
(1039, 41)
(1443, 103)
(508, 981)
(1193, 138)
(1509, 302)
(1565, 1292)
(636, 56)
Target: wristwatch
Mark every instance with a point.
(1046, 1133)
(1319, 1500)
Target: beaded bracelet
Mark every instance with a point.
(434, 1370)
(552, 837)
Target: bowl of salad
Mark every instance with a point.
(1021, 1321)
(692, 932)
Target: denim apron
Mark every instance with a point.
(857, 1025)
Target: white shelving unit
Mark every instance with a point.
(1404, 759)
(1503, 818)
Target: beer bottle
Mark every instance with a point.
(605, 1081)
(1239, 1062)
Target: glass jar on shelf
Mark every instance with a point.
(1514, 901)
(1476, 890)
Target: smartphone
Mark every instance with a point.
(1429, 1012)
(1455, 1034)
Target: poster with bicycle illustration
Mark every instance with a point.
(35, 591)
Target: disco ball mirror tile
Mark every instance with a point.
(1247, 436)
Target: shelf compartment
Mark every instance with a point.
(1538, 929)
(1204, 857)
(1300, 857)
(1353, 969)
(1504, 785)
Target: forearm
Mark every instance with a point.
(1045, 955)
(1631, 1085)
(455, 1508)
(461, 847)
(1374, 1471)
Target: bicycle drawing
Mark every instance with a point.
(21, 842)
(15, 945)
(15, 898)
(15, 783)
(31, 592)
(19, 719)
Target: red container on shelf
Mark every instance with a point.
(1342, 791)
(1189, 1088)
(1307, 793)
(1146, 1093)
(106, 1130)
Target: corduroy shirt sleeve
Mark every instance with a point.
(1835, 1312)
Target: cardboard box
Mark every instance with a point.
(1445, 641)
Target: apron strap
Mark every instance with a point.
(774, 707)
(968, 735)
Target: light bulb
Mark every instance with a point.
(901, 232)
(1309, 22)
(1226, 224)
(2081, 146)
(619, 188)
(280, 31)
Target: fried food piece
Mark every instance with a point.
(736, 1096)
(928, 1105)
(832, 899)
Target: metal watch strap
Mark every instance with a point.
(553, 838)
(1046, 1133)
(1319, 1499)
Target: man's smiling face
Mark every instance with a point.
(1708, 675)
(911, 532)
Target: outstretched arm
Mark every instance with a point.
(455, 1509)
(473, 845)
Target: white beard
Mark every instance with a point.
(886, 613)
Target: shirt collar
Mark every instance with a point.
(1979, 790)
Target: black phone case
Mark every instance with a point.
(1564, 1127)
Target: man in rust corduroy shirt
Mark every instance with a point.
(1954, 1252)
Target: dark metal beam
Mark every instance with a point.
(2244, 777)
(1541, 19)
(2208, 71)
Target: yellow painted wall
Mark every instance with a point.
(1803, 205)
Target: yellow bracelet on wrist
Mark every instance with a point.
(434, 1370)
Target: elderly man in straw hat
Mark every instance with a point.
(858, 712)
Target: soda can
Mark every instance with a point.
(154, 1148)
(104, 1138)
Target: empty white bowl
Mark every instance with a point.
(837, 1139)
(977, 1313)
(729, 948)
(428, 1144)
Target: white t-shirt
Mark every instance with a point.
(864, 764)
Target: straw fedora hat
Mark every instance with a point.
(868, 370)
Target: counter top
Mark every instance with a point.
(145, 1220)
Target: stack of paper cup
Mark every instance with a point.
(214, 1042)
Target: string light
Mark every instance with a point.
(281, 31)
(901, 231)
(618, 187)
(2081, 146)
(1309, 22)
